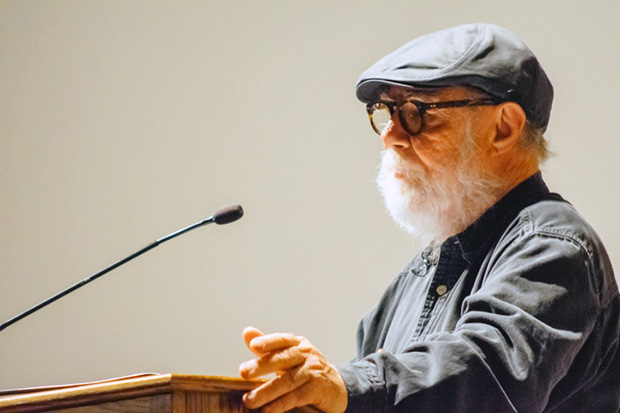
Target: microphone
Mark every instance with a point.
(227, 214)
(222, 216)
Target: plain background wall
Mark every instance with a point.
(122, 121)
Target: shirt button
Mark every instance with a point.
(441, 290)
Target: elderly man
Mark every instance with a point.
(513, 306)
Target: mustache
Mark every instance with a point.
(394, 164)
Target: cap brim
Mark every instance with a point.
(369, 90)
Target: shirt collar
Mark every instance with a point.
(472, 238)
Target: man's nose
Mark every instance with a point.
(395, 136)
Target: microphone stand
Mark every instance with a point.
(220, 217)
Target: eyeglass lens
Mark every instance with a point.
(380, 116)
(408, 112)
(410, 117)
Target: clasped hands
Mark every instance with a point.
(303, 375)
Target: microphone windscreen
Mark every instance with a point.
(227, 214)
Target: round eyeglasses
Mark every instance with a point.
(411, 112)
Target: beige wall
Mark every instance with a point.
(121, 121)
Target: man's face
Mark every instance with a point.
(439, 181)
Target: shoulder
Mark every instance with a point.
(555, 233)
(561, 219)
(554, 219)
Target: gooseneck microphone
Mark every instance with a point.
(222, 216)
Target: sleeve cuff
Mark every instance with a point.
(365, 388)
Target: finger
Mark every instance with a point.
(250, 333)
(272, 342)
(301, 396)
(273, 362)
(273, 389)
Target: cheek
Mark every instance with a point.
(437, 149)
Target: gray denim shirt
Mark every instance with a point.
(520, 313)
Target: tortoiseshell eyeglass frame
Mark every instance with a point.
(422, 108)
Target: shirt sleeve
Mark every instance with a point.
(519, 334)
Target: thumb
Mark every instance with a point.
(249, 334)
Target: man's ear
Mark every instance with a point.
(509, 126)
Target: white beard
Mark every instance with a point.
(434, 208)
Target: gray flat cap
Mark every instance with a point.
(480, 55)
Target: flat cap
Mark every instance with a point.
(480, 55)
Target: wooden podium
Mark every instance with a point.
(140, 393)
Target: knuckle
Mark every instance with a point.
(316, 376)
(271, 358)
(278, 357)
(289, 377)
(315, 362)
(285, 338)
